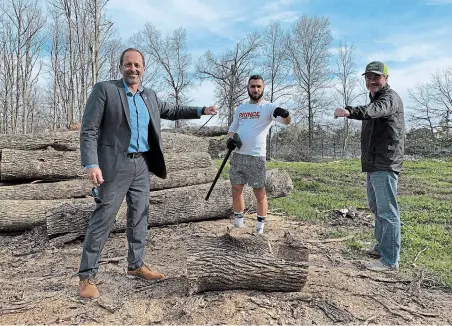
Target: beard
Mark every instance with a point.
(255, 97)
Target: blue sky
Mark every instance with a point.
(414, 37)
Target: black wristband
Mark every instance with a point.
(202, 110)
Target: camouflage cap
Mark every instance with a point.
(377, 67)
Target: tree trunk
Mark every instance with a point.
(40, 165)
(69, 141)
(76, 188)
(79, 188)
(203, 132)
(169, 206)
(57, 165)
(245, 263)
(184, 178)
(21, 215)
(65, 141)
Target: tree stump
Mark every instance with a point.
(245, 263)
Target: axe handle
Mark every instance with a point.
(219, 173)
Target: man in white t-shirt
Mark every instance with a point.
(251, 122)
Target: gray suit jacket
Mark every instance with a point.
(105, 132)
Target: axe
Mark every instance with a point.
(238, 143)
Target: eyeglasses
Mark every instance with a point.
(95, 194)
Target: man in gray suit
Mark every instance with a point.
(120, 143)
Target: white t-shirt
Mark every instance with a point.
(252, 122)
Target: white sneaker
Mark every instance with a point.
(260, 227)
(239, 222)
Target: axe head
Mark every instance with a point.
(237, 140)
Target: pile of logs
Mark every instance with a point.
(42, 182)
(43, 186)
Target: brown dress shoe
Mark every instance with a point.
(88, 290)
(145, 273)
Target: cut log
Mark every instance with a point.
(180, 143)
(203, 132)
(57, 165)
(183, 178)
(63, 141)
(69, 141)
(188, 204)
(40, 165)
(79, 188)
(245, 263)
(75, 188)
(21, 215)
(169, 206)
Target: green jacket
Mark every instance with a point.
(383, 131)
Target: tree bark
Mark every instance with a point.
(58, 165)
(203, 132)
(69, 141)
(79, 188)
(245, 263)
(183, 178)
(40, 165)
(169, 206)
(21, 215)
(75, 188)
(63, 141)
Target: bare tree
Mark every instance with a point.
(431, 105)
(172, 55)
(348, 88)
(276, 63)
(441, 87)
(80, 34)
(112, 51)
(276, 68)
(308, 47)
(230, 71)
(24, 38)
(422, 108)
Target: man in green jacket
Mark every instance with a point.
(382, 147)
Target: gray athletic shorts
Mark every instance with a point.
(247, 169)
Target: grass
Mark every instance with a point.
(425, 199)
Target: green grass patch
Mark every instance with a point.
(425, 199)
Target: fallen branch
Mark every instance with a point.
(419, 313)
(114, 260)
(18, 309)
(331, 240)
(366, 322)
(65, 317)
(374, 278)
(389, 309)
(418, 254)
(111, 309)
(334, 313)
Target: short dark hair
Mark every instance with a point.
(121, 59)
(255, 77)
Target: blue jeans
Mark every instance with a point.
(382, 198)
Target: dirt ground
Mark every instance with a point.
(39, 284)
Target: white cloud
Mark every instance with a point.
(287, 16)
(273, 6)
(166, 15)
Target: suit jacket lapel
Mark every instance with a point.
(124, 101)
